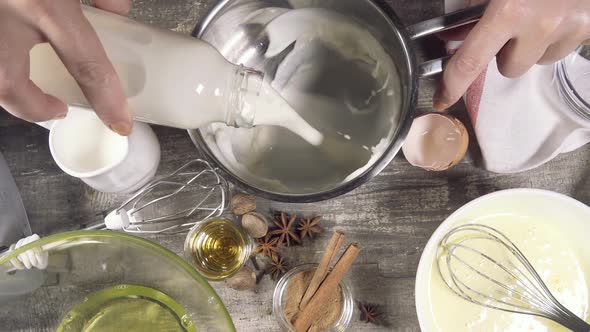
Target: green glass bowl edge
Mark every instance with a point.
(5, 258)
(114, 292)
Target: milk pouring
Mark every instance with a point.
(173, 80)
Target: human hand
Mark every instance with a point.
(25, 23)
(520, 33)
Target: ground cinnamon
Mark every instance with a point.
(329, 314)
(323, 268)
(310, 313)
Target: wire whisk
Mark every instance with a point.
(172, 204)
(483, 266)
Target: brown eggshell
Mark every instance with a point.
(436, 142)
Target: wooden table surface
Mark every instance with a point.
(391, 217)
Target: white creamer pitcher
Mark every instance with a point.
(83, 147)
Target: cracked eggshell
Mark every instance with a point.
(436, 142)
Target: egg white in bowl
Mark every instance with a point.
(553, 232)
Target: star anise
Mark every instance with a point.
(284, 231)
(369, 313)
(267, 246)
(277, 266)
(276, 214)
(309, 227)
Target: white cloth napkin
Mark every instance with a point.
(520, 123)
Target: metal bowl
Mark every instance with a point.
(283, 170)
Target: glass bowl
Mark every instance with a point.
(228, 238)
(573, 80)
(278, 301)
(90, 266)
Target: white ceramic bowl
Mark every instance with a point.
(569, 215)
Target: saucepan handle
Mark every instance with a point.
(439, 24)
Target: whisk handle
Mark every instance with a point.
(574, 323)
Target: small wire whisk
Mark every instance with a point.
(172, 204)
(483, 266)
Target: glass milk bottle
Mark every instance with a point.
(171, 79)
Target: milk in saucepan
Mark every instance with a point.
(340, 79)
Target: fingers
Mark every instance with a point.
(559, 51)
(26, 101)
(570, 36)
(18, 94)
(120, 7)
(78, 46)
(478, 49)
(519, 55)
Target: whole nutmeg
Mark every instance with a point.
(255, 224)
(242, 204)
(245, 279)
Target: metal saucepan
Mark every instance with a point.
(236, 29)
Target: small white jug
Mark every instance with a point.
(83, 147)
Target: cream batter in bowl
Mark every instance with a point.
(551, 230)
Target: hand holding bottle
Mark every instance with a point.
(519, 33)
(25, 23)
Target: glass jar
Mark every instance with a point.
(279, 300)
(573, 81)
(218, 248)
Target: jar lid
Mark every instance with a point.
(574, 80)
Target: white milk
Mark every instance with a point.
(271, 109)
(170, 79)
(341, 80)
(82, 144)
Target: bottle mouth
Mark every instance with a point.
(247, 86)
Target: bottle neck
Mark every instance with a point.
(243, 90)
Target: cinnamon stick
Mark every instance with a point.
(324, 267)
(310, 313)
